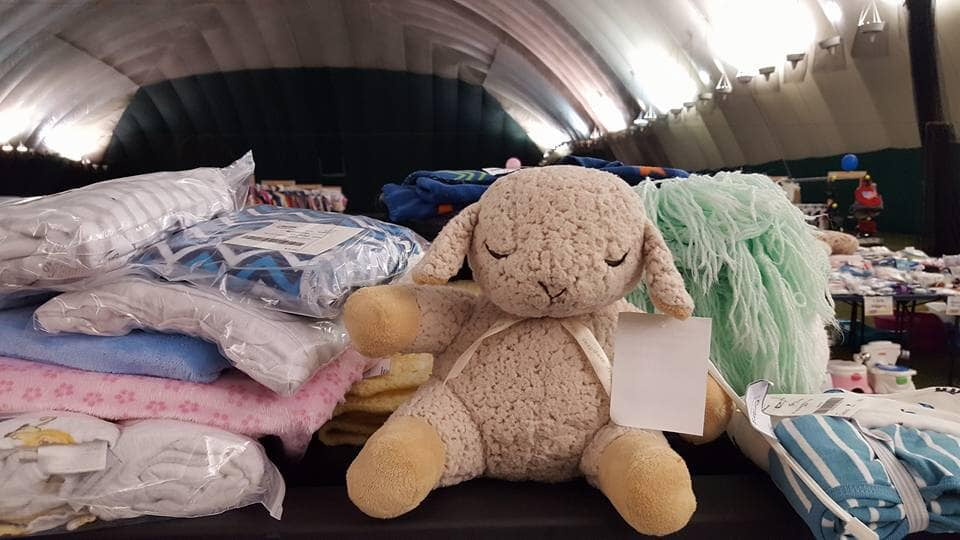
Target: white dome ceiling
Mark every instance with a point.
(561, 68)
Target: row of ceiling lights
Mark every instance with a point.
(21, 148)
(739, 49)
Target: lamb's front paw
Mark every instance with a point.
(382, 320)
(648, 483)
(396, 469)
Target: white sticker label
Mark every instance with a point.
(877, 305)
(953, 304)
(380, 367)
(754, 398)
(72, 458)
(306, 238)
(660, 372)
(833, 404)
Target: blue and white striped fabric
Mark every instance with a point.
(837, 456)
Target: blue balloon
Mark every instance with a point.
(849, 162)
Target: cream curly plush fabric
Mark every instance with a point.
(544, 244)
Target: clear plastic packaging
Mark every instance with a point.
(58, 240)
(293, 260)
(62, 469)
(278, 350)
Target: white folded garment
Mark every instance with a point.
(76, 468)
(278, 350)
(53, 241)
(178, 469)
(30, 498)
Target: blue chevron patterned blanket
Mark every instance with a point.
(293, 260)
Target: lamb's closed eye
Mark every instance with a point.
(617, 262)
(494, 254)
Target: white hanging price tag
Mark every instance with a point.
(877, 305)
(953, 304)
(660, 372)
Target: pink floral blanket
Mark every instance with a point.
(234, 402)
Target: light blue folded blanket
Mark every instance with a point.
(138, 353)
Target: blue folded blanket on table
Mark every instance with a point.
(426, 194)
(293, 260)
(631, 174)
(836, 455)
(138, 353)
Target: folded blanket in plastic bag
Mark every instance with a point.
(293, 260)
(53, 242)
(65, 469)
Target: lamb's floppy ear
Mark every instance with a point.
(664, 283)
(445, 256)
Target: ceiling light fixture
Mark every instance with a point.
(73, 141)
(608, 115)
(796, 58)
(13, 122)
(7, 147)
(704, 77)
(833, 11)
(723, 85)
(870, 22)
(831, 44)
(737, 27)
(22, 148)
(676, 79)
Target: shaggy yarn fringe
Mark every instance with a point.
(751, 264)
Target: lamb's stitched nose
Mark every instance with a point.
(546, 289)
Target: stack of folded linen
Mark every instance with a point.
(175, 303)
(370, 401)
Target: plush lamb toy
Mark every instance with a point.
(513, 395)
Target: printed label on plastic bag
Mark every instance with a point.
(833, 404)
(306, 238)
(72, 458)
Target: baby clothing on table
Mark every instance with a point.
(138, 353)
(297, 261)
(178, 469)
(852, 463)
(278, 350)
(30, 446)
(53, 241)
(69, 469)
(916, 489)
(234, 402)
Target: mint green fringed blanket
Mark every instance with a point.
(751, 264)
